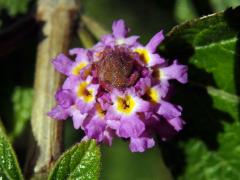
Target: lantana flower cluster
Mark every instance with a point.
(119, 88)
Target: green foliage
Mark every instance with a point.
(188, 9)
(219, 5)
(211, 108)
(14, 7)
(9, 168)
(119, 163)
(82, 161)
(184, 10)
(22, 105)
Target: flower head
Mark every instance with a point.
(148, 53)
(119, 88)
(68, 67)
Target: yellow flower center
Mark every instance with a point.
(153, 95)
(125, 105)
(85, 94)
(158, 74)
(79, 67)
(144, 55)
(100, 112)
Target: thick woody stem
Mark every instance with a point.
(58, 17)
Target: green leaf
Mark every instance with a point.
(219, 5)
(9, 168)
(82, 161)
(184, 10)
(211, 101)
(14, 7)
(22, 105)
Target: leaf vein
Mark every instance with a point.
(216, 44)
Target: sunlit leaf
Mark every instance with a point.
(9, 168)
(82, 161)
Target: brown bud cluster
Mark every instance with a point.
(116, 68)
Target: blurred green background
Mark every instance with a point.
(19, 35)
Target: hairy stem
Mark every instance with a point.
(58, 17)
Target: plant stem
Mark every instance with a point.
(85, 37)
(94, 27)
(58, 17)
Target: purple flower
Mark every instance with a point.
(105, 101)
(58, 113)
(140, 144)
(171, 114)
(177, 123)
(68, 67)
(147, 53)
(84, 92)
(119, 35)
(168, 110)
(77, 117)
(143, 85)
(175, 71)
(95, 129)
(125, 109)
(119, 88)
(65, 101)
(61, 113)
(64, 98)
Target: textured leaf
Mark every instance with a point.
(14, 6)
(211, 140)
(9, 168)
(82, 161)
